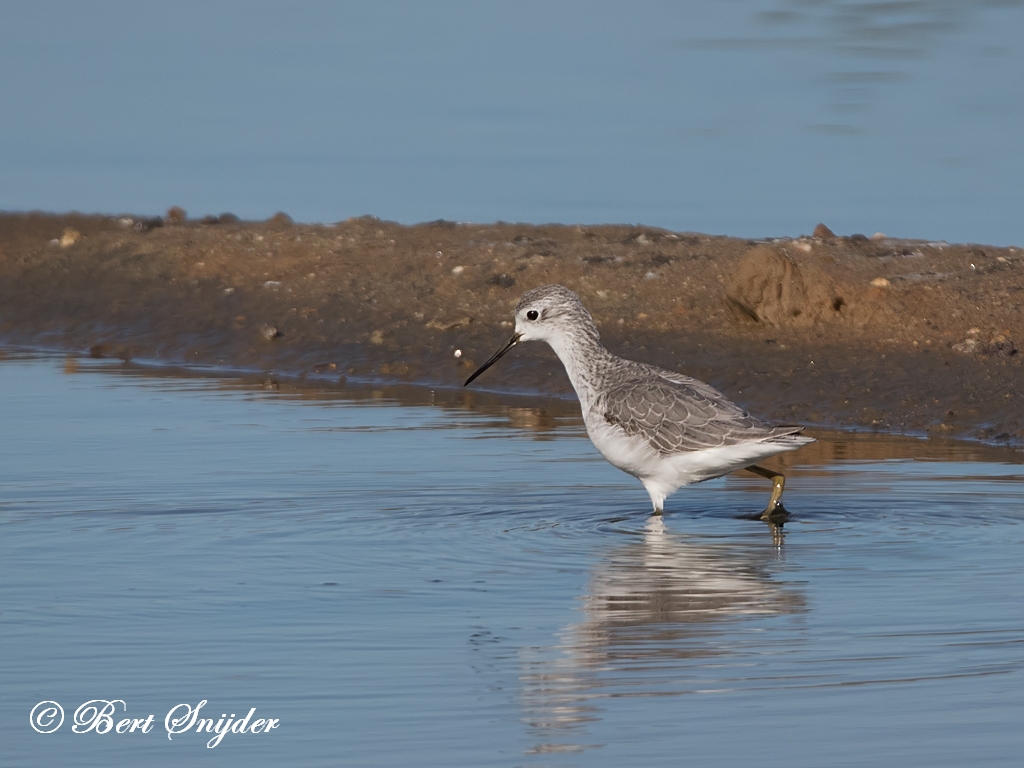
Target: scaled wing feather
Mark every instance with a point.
(678, 415)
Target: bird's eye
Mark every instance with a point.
(531, 315)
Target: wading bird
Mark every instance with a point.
(666, 429)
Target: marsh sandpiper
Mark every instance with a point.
(664, 428)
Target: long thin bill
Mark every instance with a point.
(494, 358)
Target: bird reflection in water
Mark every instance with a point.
(655, 611)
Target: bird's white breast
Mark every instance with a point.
(629, 453)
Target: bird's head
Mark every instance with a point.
(551, 313)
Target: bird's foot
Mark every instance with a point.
(775, 513)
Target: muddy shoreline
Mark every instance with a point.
(879, 334)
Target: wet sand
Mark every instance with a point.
(904, 336)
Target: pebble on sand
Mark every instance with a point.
(967, 346)
(70, 237)
(880, 282)
(823, 232)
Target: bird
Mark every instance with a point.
(666, 429)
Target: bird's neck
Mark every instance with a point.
(585, 360)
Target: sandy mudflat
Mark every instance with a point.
(880, 334)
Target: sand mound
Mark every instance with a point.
(770, 287)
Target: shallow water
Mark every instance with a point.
(441, 586)
(750, 118)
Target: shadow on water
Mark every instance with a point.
(650, 606)
(679, 616)
(538, 416)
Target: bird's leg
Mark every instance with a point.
(774, 508)
(657, 497)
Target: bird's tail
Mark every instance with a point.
(789, 437)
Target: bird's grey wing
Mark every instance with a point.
(676, 416)
(703, 388)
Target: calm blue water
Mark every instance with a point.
(748, 118)
(415, 585)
